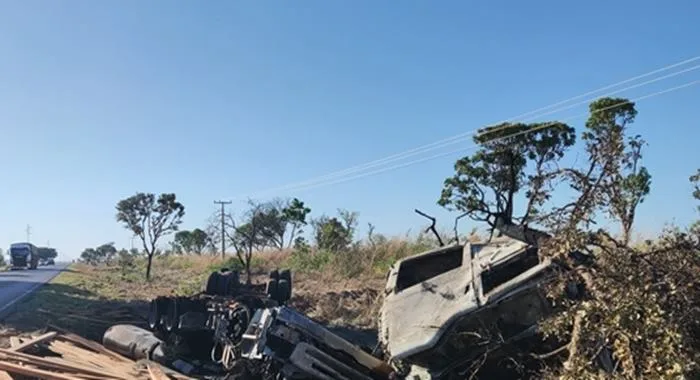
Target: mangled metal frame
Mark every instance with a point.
(442, 310)
(438, 304)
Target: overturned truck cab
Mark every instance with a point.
(446, 307)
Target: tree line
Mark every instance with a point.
(271, 225)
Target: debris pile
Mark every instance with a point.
(61, 355)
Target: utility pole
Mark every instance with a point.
(29, 232)
(223, 226)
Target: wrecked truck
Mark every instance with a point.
(445, 308)
(442, 310)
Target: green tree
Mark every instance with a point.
(695, 180)
(190, 241)
(612, 180)
(89, 256)
(511, 157)
(106, 252)
(98, 255)
(281, 221)
(294, 214)
(628, 188)
(199, 240)
(150, 218)
(335, 233)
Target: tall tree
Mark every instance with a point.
(295, 214)
(612, 180)
(628, 188)
(511, 157)
(246, 235)
(335, 233)
(695, 180)
(150, 219)
(281, 221)
(182, 242)
(200, 240)
(190, 241)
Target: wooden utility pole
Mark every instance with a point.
(223, 226)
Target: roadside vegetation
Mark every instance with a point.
(636, 313)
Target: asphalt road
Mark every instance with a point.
(16, 284)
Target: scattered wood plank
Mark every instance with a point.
(156, 372)
(99, 361)
(88, 344)
(77, 359)
(28, 343)
(29, 371)
(54, 363)
(15, 341)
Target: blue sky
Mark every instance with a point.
(216, 99)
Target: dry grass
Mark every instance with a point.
(340, 289)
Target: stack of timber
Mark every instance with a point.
(65, 356)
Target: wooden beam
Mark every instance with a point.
(156, 372)
(77, 339)
(35, 372)
(15, 341)
(28, 343)
(55, 363)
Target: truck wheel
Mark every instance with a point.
(287, 275)
(271, 289)
(212, 283)
(154, 314)
(284, 291)
(232, 283)
(172, 315)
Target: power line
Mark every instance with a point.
(223, 227)
(429, 158)
(463, 136)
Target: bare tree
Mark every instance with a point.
(245, 234)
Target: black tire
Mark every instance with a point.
(222, 284)
(233, 282)
(154, 314)
(271, 289)
(284, 291)
(212, 283)
(286, 274)
(172, 315)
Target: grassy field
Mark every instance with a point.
(340, 289)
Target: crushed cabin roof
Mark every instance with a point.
(420, 307)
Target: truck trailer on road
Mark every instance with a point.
(24, 256)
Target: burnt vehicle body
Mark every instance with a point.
(301, 348)
(445, 308)
(243, 331)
